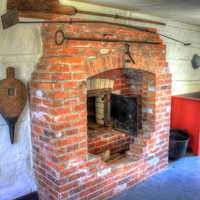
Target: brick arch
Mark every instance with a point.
(151, 62)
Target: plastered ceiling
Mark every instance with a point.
(187, 11)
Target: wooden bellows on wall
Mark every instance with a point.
(13, 98)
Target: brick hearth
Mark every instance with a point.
(64, 167)
(104, 139)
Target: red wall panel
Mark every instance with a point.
(185, 115)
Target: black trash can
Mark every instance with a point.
(178, 143)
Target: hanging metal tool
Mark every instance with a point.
(11, 18)
(128, 53)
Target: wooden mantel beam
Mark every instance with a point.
(43, 9)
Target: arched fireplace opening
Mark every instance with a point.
(117, 108)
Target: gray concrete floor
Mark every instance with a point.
(181, 181)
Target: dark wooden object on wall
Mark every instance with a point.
(44, 6)
(13, 98)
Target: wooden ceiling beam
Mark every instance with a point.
(37, 15)
(46, 9)
(43, 9)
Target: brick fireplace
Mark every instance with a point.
(81, 147)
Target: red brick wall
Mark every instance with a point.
(63, 167)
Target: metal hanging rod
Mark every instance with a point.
(116, 17)
(60, 38)
(142, 29)
(181, 42)
(120, 17)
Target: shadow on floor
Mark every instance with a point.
(32, 196)
(181, 181)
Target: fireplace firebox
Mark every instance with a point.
(124, 113)
(112, 110)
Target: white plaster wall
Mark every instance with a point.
(20, 47)
(185, 79)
